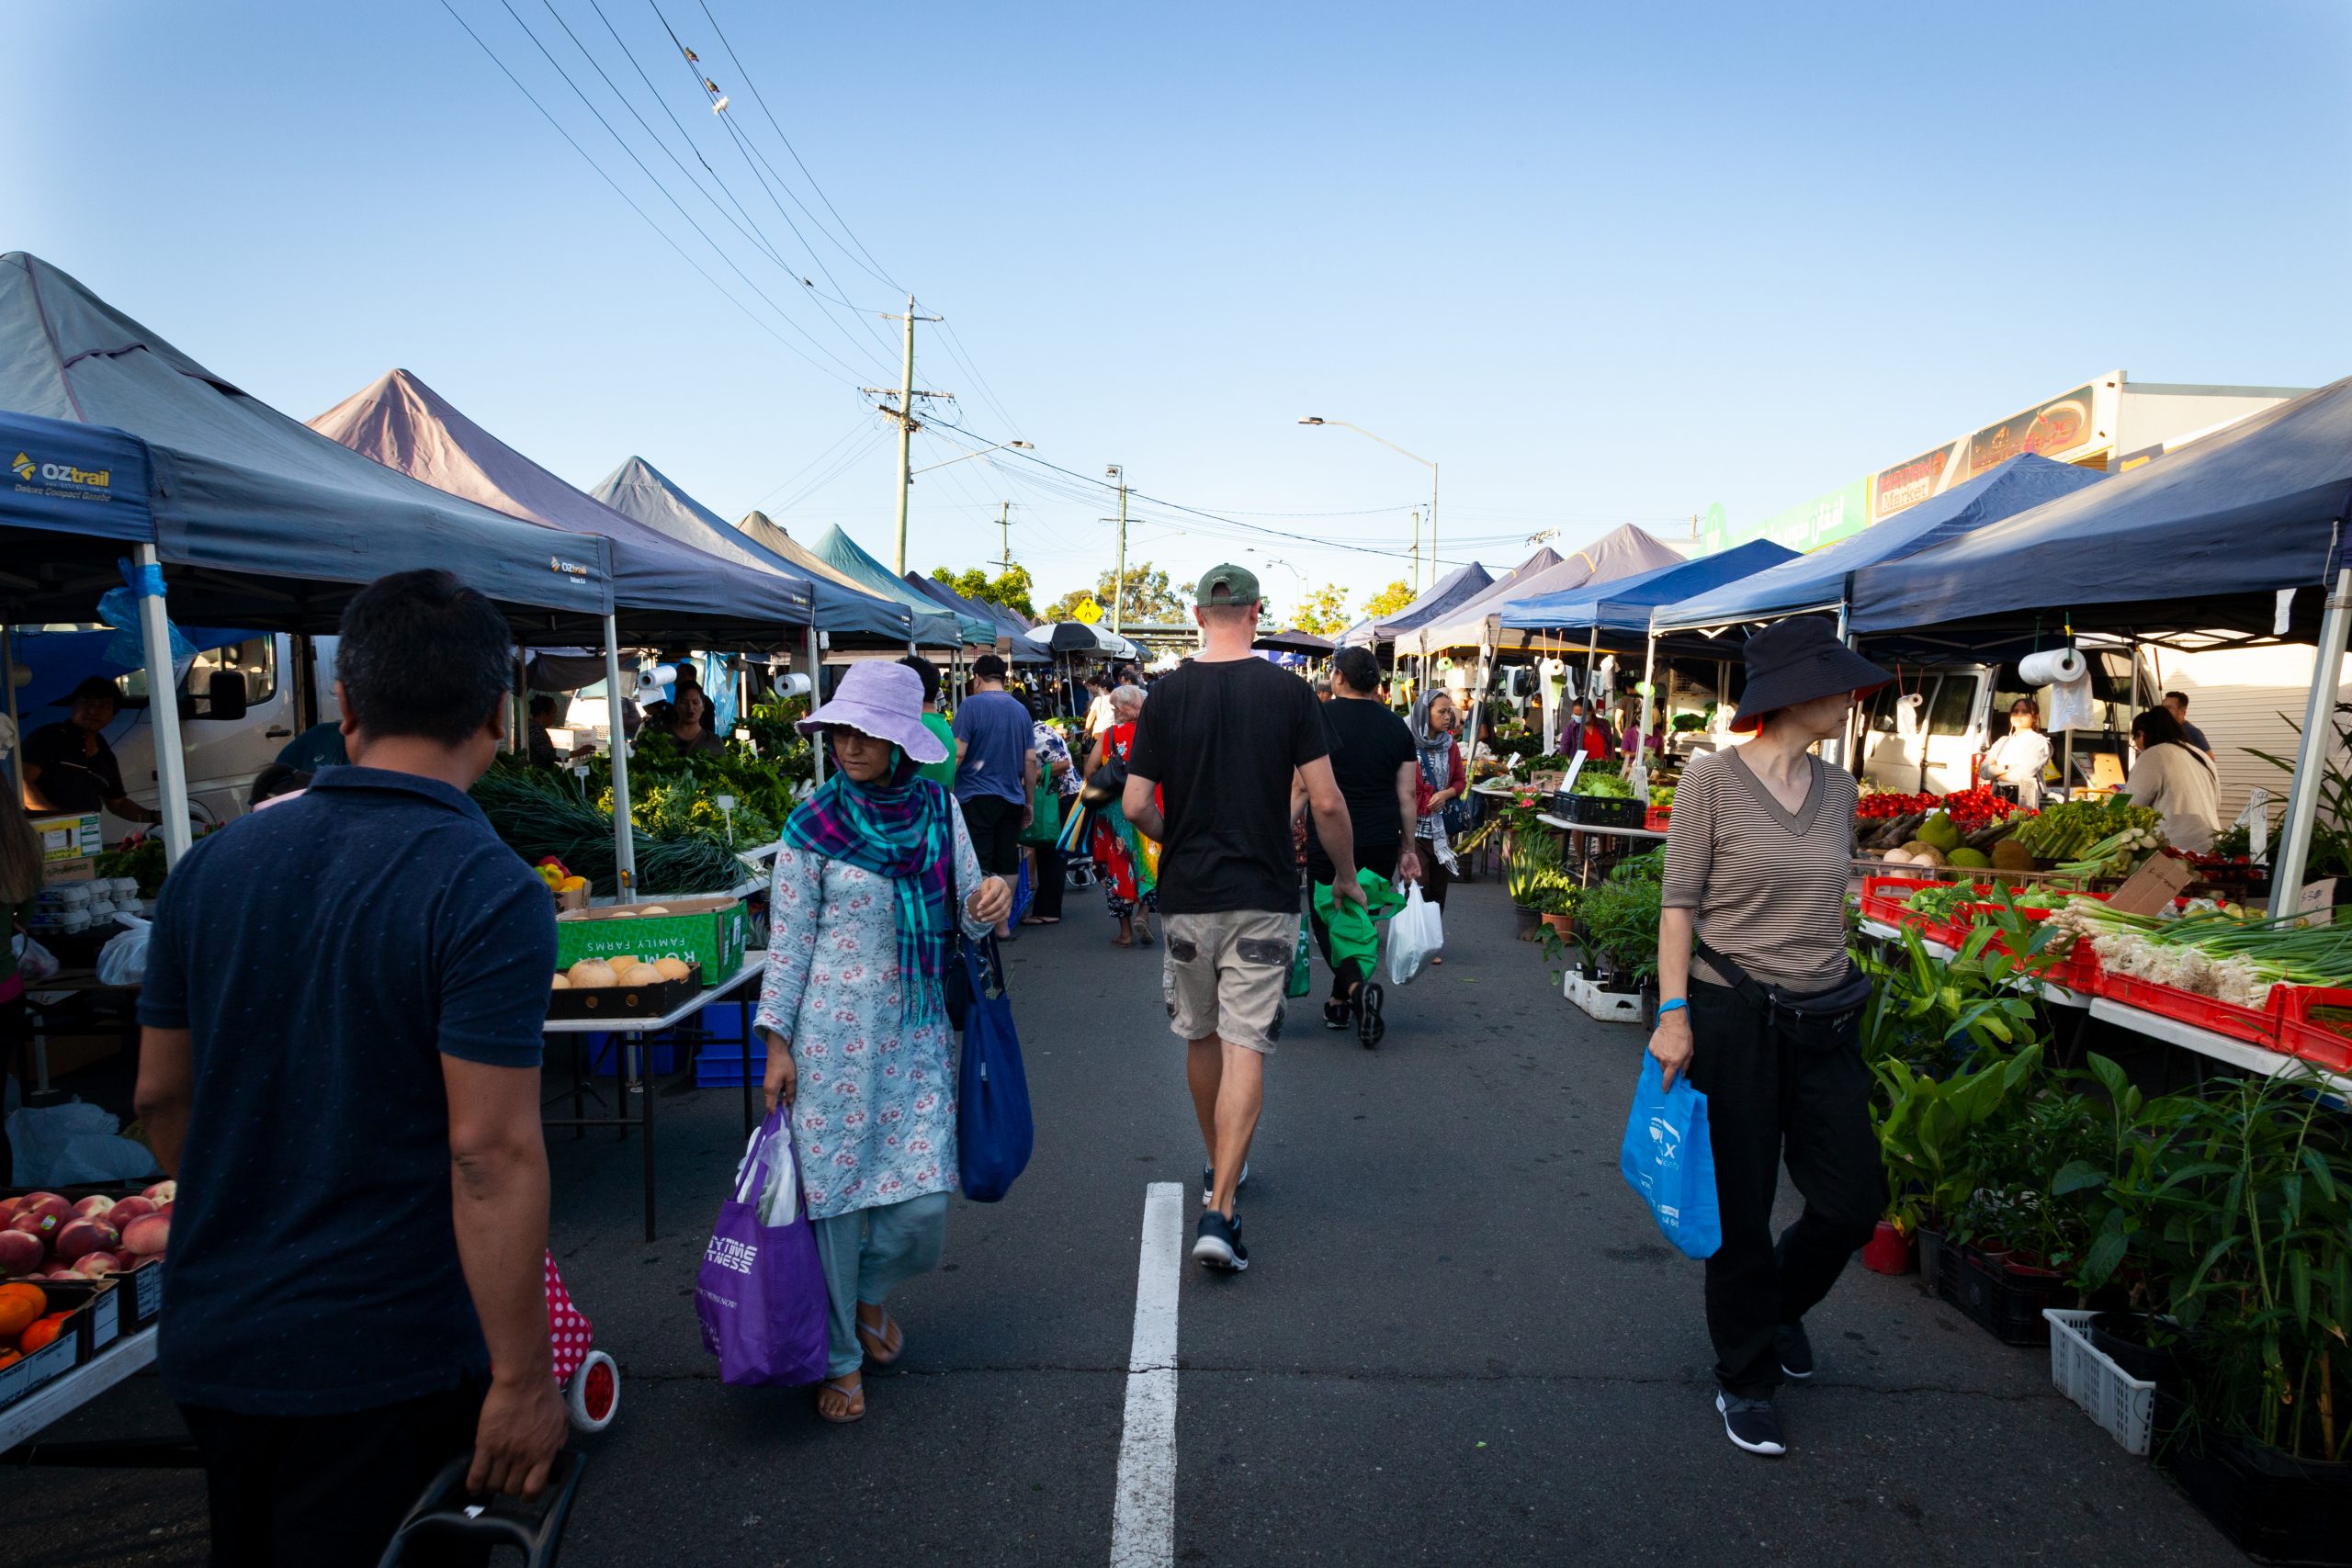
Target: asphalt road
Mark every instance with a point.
(1460, 1340)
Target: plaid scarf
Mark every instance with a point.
(904, 831)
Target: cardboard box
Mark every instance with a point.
(711, 932)
(68, 838)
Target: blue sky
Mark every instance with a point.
(1605, 263)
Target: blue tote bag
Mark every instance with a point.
(1668, 1159)
(993, 1130)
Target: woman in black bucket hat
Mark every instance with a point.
(1764, 1014)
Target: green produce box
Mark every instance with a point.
(709, 931)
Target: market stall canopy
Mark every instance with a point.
(665, 590)
(847, 557)
(1623, 552)
(768, 535)
(1011, 631)
(638, 489)
(1295, 641)
(260, 521)
(2202, 539)
(1622, 606)
(1077, 638)
(1450, 590)
(1818, 581)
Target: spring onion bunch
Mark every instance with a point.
(2210, 951)
(2112, 856)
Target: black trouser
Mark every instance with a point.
(1380, 858)
(995, 823)
(326, 1491)
(1045, 884)
(1768, 1101)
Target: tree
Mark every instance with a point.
(1389, 600)
(1009, 588)
(1324, 612)
(1066, 607)
(1147, 597)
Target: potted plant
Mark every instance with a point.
(1530, 862)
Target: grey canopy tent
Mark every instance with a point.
(1477, 621)
(638, 489)
(1453, 588)
(1295, 641)
(664, 591)
(250, 519)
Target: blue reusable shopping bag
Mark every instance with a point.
(993, 1130)
(1668, 1159)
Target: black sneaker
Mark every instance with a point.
(1218, 1243)
(1751, 1424)
(1794, 1350)
(1208, 1181)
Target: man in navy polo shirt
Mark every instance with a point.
(341, 1064)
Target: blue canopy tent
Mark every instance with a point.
(1011, 640)
(2226, 535)
(638, 489)
(1821, 581)
(1623, 606)
(844, 555)
(244, 516)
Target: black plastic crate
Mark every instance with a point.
(1601, 811)
(2004, 1302)
(2272, 1508)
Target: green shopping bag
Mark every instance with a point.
(1045, 817)
(1302, 977)
(1353, 934)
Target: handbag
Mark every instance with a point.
(994, 1131)
(1045, 816)
(760, 1292)
(1106, 783)
(1822, 1021)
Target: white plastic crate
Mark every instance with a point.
(2124, 1404)
(1609, 1007)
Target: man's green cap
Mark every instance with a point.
(1227, 585)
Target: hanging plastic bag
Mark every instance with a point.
(1416, 935)
(994, 1131)
(123, 960)
(761, 1292)
(1669, 1159)
(34, 962)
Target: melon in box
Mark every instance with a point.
(709, 931)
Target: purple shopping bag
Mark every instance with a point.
(761, 1295)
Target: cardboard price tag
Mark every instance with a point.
(2153, 888)
(2317, 903)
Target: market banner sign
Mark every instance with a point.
(2053, 429)
(73, 479)
(1909, 484)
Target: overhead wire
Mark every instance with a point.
(863, 426)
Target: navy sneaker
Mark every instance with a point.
(1751, 1424)
(1208, 1179)
(1794, 1350)
(1219, 1243)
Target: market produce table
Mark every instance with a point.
(631, 1038)
(37, 1410)
(1567, 827)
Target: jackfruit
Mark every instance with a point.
(1939, 832)
(2010, 855)
(1972, 860)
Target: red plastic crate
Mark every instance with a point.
(2205, 1013)
(2299, 1036)
(1883, 897)
(1655, 820)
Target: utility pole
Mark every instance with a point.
(1004, 527)
(1119, 582)
(905, 414)
(1417, 552)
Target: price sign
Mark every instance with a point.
(2317, 903)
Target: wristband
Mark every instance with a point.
(1678, 1003)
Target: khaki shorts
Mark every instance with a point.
(1227, 974)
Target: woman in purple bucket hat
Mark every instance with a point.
(853, 1007)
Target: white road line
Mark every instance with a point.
(1143, 1515)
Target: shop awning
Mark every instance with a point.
(2205, 538)
(637, 488)
(1453, 588)
(1622, 606)
(662, 590)
(264, 523)
(1818, 580)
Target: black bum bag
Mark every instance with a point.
(1818, 1020)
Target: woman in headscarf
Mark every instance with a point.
(1443, 783)
(867, 887)
(1126, 860)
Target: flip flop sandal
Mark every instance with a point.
(876, 1342)
(1370, 1025)
(856, 1411)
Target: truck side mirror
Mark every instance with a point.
(225, 695)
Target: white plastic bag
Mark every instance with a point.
(34, 962)
(123, 960)
(1416, 935)
(38, 1137)
(779, 1198)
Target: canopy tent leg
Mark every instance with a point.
(1592, 653)
(2311, 755)
(515, 730)
(1642, 723)
(1478, 708)
(624, 835)
(162, 706)
(16, 730)
(816, 695)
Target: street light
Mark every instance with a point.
(1424, 462)
(999, 446)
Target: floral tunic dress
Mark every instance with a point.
(874, 1117)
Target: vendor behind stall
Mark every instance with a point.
(70, 767)
(2019, 758)
(2172, 777)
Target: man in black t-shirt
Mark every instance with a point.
(1210, 778)
(1378, 772)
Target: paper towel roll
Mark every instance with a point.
(2056, 667)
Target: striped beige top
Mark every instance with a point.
(1767, 884)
